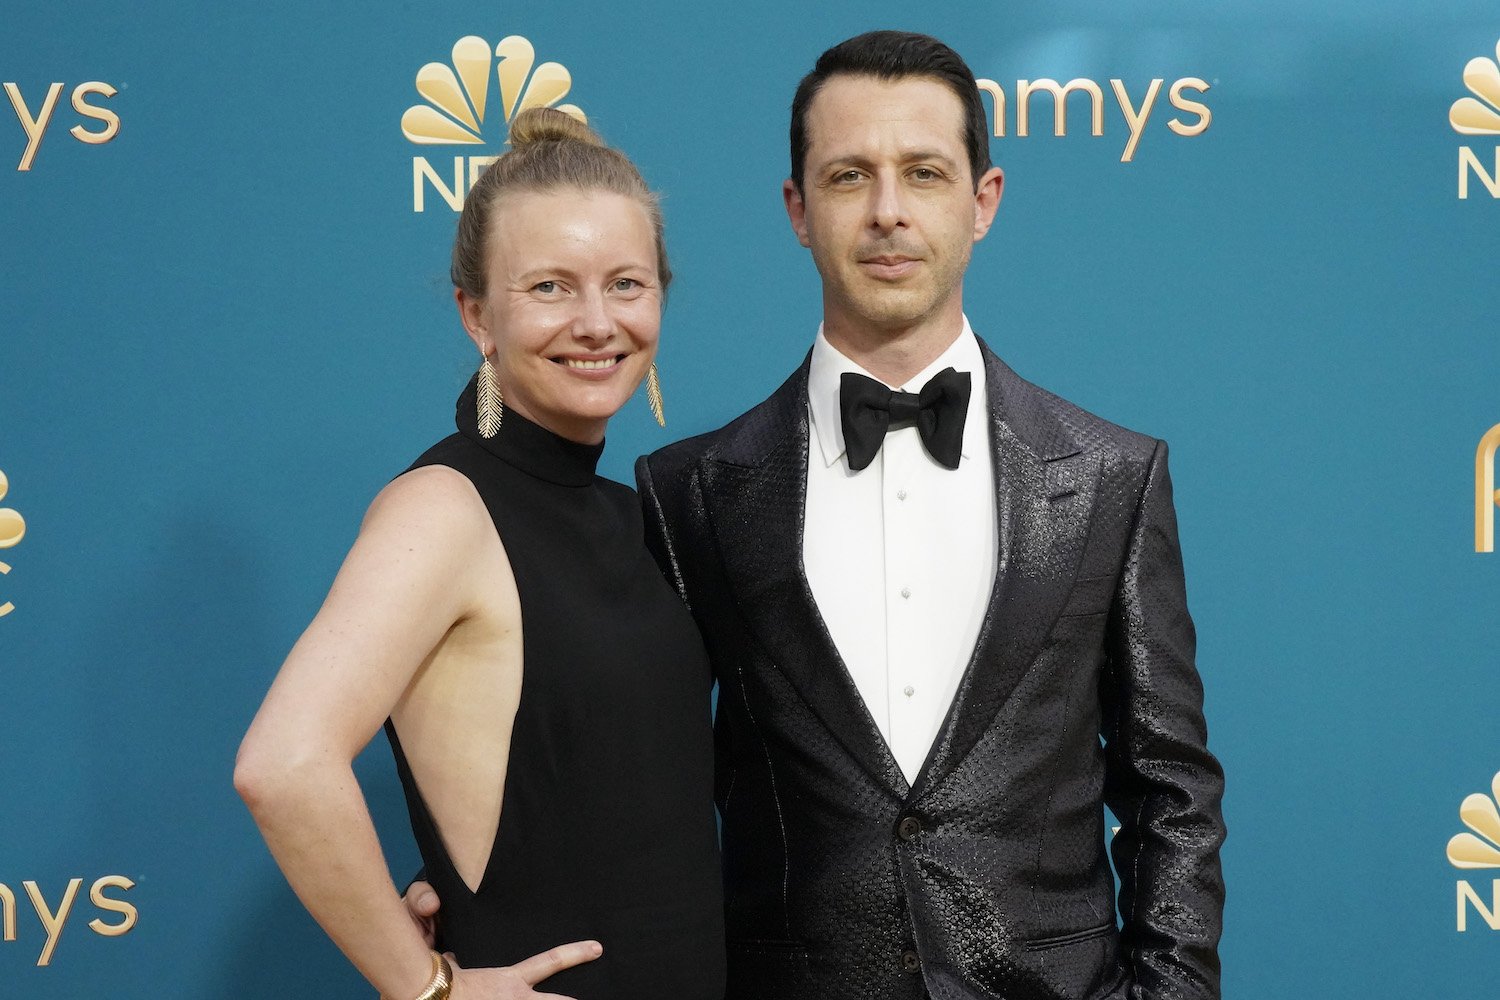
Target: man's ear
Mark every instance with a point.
(796, 211)
(471, 314)
(987, 200)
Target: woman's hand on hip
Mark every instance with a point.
(515, 982)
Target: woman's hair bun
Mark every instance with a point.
(542, 124)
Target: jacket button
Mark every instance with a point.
(908, 828)
(910, 961)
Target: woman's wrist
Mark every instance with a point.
(441, 983)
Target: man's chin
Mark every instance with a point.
(894, 313)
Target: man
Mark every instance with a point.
(918, 650)
(948, 627)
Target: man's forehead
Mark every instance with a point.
(850, 101)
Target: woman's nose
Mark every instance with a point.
(594, 320)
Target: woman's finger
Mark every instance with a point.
(549, 963)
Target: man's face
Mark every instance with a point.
(888, 206)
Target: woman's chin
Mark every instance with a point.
(579, 419)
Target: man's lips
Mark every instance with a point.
(890, 265)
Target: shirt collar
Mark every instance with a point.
(828, 365)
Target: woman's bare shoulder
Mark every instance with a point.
(436, 501)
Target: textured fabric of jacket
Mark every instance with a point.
(987, 877)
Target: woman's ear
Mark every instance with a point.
(471, 314)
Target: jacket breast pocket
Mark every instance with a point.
(1091, 595)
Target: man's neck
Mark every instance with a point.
(894, 356)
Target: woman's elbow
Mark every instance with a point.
(255, 774)
(268, 771)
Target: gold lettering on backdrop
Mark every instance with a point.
(111, 905)
(35, 127)
(8, 904)
(454, 197)
(1490, 915)
(1025, 88)
(109, 118)
(52, 923)
(1468, 162)
(1135, 117)
(998, 94)
(1205, 116)
(1486, 497)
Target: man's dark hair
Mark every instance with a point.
(895, 55)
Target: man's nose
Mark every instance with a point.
(888, 207)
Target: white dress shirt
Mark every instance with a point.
(901, 555)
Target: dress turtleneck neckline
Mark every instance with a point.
(529, 447)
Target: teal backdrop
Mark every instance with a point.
(223, 329)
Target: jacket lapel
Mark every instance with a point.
(755, 489)
(1045, 486)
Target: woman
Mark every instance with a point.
(544, 691)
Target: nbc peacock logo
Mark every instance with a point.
(1478, 115)
(12, 530)
(1478, 849)
(458, 98)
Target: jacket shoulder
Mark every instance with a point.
(745, 440)
(1058, 426)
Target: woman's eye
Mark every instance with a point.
(626, 284)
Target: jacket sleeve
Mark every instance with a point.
(1162, 784)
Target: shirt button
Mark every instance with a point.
(908, 828)
(900, 494)
(910, 961)
(905, 591)
(908, 690)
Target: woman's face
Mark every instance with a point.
(573, 306)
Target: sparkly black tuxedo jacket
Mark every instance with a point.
(987, 877)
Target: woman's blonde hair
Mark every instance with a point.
(549, 149)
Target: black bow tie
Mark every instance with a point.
(869, 408)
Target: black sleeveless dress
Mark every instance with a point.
(607, 826)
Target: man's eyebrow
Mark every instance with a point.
(844, 160)
(913, 156)
(931, 155)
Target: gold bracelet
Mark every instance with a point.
(441, 983)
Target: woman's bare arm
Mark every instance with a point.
(413, 573)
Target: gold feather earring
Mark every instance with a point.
(491, 404)
(653, 394)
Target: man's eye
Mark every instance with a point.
(925, 174)
(847, 177)
(545, 287)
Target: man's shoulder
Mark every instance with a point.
(1055, 426)
(745, 440)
